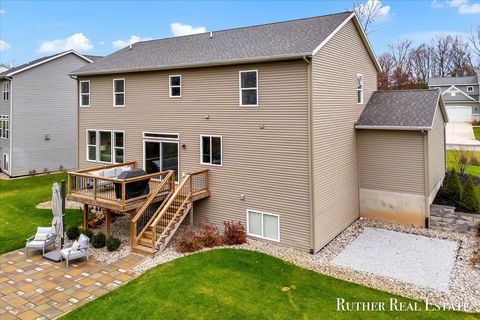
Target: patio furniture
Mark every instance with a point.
(79, 249)
(42, 239)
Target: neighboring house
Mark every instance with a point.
(461, 96)
(270, 110)
(38, 114)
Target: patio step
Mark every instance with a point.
(144, 250)
(147, 242)
(148, 234)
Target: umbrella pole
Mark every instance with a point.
(63, 194)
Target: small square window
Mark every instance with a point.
(211, 150)
(470, 89)
(175, 86)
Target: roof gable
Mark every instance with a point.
(40, 61)
(274, 41)
(401, 110)
(456, 90)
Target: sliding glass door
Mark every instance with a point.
(161, 156)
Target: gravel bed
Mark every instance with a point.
(464, 281)
(68, 205)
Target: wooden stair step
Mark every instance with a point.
(148, 233)
(145, 241)
(144, 250)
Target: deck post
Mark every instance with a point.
(106, 212)
(86, 216)
(191, 213)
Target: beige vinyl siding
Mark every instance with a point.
(268, 166)
(436, 151)
(391, 161)
(335, 111)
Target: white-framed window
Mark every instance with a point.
(211, 150)
(85, 93)
(4, 127)
(5, 164)
(263, 225)
(470, 89)
(248, 84)
(119, 146)
(175, 86)
(359, 88)
(106, 146)
(119, 92)
(6, 91)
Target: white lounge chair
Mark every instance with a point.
(42, 239)
(76, 250)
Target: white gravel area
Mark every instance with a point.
(68, 205)
(464, 285)
(410, 258)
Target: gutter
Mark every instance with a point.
(198, 65)
(427, 178)
(370, 127)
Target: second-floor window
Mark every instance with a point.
(4, 127)
(85, 93)
(249, 88)
(175, 86)
(359, 88)
(6, 91)
(470, 89)
(119, 92)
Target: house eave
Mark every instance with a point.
(403, 128)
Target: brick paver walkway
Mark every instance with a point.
(34, 288)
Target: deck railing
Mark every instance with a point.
(85, 183)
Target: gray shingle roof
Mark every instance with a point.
(400, 109)
(453, 81)
(274, 40)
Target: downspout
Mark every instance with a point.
(10, 129)
(427, 178)
(310, 157)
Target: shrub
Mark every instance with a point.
(188, 241)
(209, 236)
(113, 243)
(73, 232)
(474, 160)
(234, 233)
(453, 187)
(469, 198)
(88, 233)
(98, 240)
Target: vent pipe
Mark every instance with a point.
(211, 35)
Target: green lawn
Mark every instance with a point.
(18, 216)
(240, 284)
(476, 132)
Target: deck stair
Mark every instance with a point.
(155, 224)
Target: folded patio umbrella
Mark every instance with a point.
(57, 223)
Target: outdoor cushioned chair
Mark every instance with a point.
(42, 239)
(79, 249)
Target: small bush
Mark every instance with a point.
(113, 243)
(453, 187)
(234, 233)
(73, 232)
(88, 233)
(188, 241)
(474, 160)
(469, 198)
(210, 236)
(98, 240)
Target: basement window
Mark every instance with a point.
(249, 88)
(263, 225)
(175, 86)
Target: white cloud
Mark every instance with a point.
(2, 11)
(463, 6)
(77, 41)
(119, 44)
(4, 45)
(102, 43)
(384, 11)
(180, 29)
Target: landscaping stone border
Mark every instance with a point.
(446, 218)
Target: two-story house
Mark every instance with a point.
(273, 111)
(461, 96)
(38, 115)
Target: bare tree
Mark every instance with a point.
(368, 12)
(460, 58)
(421, 59)
(474, 38)
(441, 46)
(385, 77)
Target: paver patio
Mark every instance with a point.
(34, 288)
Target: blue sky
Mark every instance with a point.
(31, 29)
